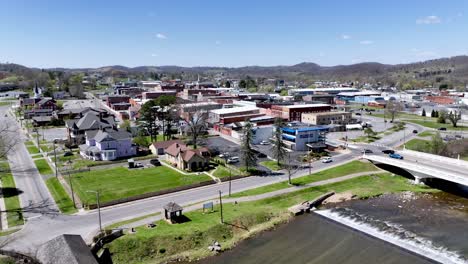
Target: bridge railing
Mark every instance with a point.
(435, 157)
(434, 173)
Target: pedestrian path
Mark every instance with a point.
(197, 206)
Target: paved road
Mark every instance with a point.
(34, 195)
(46, 225)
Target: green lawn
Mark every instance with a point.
(63, 201)
(271, 164)
(32, 149)
(223, 172)
(342, 170)
(29, 143)
(43, 167)
(190, 239)
(418, 145)
(426, 134)
(12, 203)
(432, 124)
(121, 182)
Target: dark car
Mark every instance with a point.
(155, 162)
(366, 151)
(442, 128)
(388, 151)
(261, 155)
(415, 131)
(395, 156)
(358, 114)
(68, 154)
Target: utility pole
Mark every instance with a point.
(99, 208)
(55, 160)
(230, 176)
(71, 187)
(221, 207)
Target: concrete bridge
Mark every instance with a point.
(422, 166)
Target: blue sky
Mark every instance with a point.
(229, 33)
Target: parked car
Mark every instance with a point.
(224, 155)
(395, 156)
(68, 154)
(138, 164)
(264, 142)
(233, 160)
(415, 131)
(358, 114)
(155, 162)
(366, 151)
(327, 160)
(388, 151)
(442, 128)
(261, 155)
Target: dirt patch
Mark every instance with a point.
(339, 197)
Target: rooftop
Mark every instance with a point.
(234, 110)
(306, 105)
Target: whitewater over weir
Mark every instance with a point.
(392, 234)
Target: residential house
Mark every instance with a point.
(46, 103)
(158, 148)
(72, 113)
(76, 128)
(187, 159)
(108, 144)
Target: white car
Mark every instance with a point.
(233, 160)
(264, 142)
(327, 160)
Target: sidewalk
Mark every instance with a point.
(255, 197)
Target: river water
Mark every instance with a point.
(366, 231)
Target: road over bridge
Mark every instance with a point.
(423, 166)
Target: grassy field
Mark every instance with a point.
(432, 124)
(271, 164)
(345, 169)
(63, 201)
(43, 167)
(120, 182)
(223, 172)
(32, 149)
(189, 240)
(426, 134)
(418, 145)
(12, 203)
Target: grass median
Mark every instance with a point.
(121, 182)
(32, 149)
(342, 170)
(271, 164)
(189, 240)
(10, 196)
(63, 201)
(43, 167)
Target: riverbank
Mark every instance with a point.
(189, 240)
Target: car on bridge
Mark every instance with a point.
(388, 151)
(395, 156)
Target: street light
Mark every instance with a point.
(99, 208)
(55, 159)
(226, 164)
(71, 183)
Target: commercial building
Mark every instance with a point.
(294, 112)
(327, 118)
(235, 114)
(310, 91)
(302, 137)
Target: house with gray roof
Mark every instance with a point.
(69, 249)
(91, 121)
(108, 144)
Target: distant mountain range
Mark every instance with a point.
(445, 70)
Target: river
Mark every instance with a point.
(366, 231)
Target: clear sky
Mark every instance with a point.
(93, 33)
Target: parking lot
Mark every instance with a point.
(222, 145)
(73, 104)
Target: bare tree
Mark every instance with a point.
(8, 139)
(454, 117)
(278, 148)
(196, 124)
(392, 108)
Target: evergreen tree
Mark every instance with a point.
(278, 149)
(433, 113)
(423, 112)
(248, 154)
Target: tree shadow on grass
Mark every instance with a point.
(7, 192)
